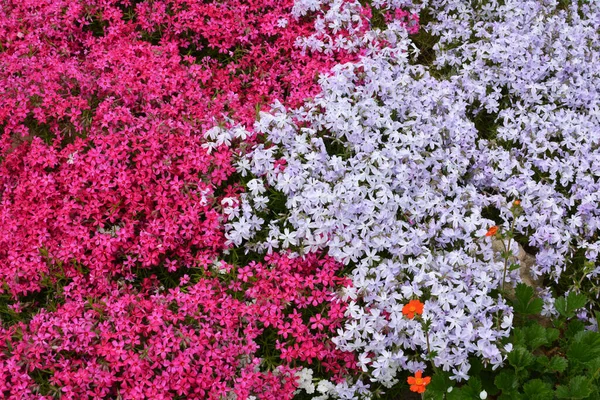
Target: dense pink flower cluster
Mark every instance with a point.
(102, 108)
(199, 339)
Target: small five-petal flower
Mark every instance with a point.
(418, 382)
(492, 231)
(413, 307)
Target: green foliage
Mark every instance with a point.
(578, 388)
(566, 306)
(469, 391)
(537, 389)
(520, 358)
(550, 359)
(585, 347)
(526, 302)
(507, 381)
(438, 387)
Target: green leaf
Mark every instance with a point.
(576, 301)
(535, 306)
(579, 388)
(476, 366)
(518, 337)
(437, 388)
(520, 357)
(593, 365)
(578, 352)
(510, 396)
(524, 293)
(543, 361)
(585, 347)
(473, 387)
(566, 306)
(507, 381)
(573, 328)
(470, 391)
(536, 389)
(525, 302)
(535, 336)
(551, 335)
(455, 394)
(561, 306)
(558, 364)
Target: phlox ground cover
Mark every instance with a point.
(199, 339)
(310, 199)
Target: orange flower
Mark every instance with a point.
(418, 383)
(413, 307)
(492, 231)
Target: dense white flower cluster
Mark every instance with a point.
(393, 200)
(390, 172)
(532, 67)
(338, 25)
(341, 25)
(305, 380)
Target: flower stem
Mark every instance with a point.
(506, 251)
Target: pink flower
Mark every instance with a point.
(317, 322)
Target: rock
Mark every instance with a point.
(524, 259)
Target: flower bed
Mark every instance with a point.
(299, 199)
